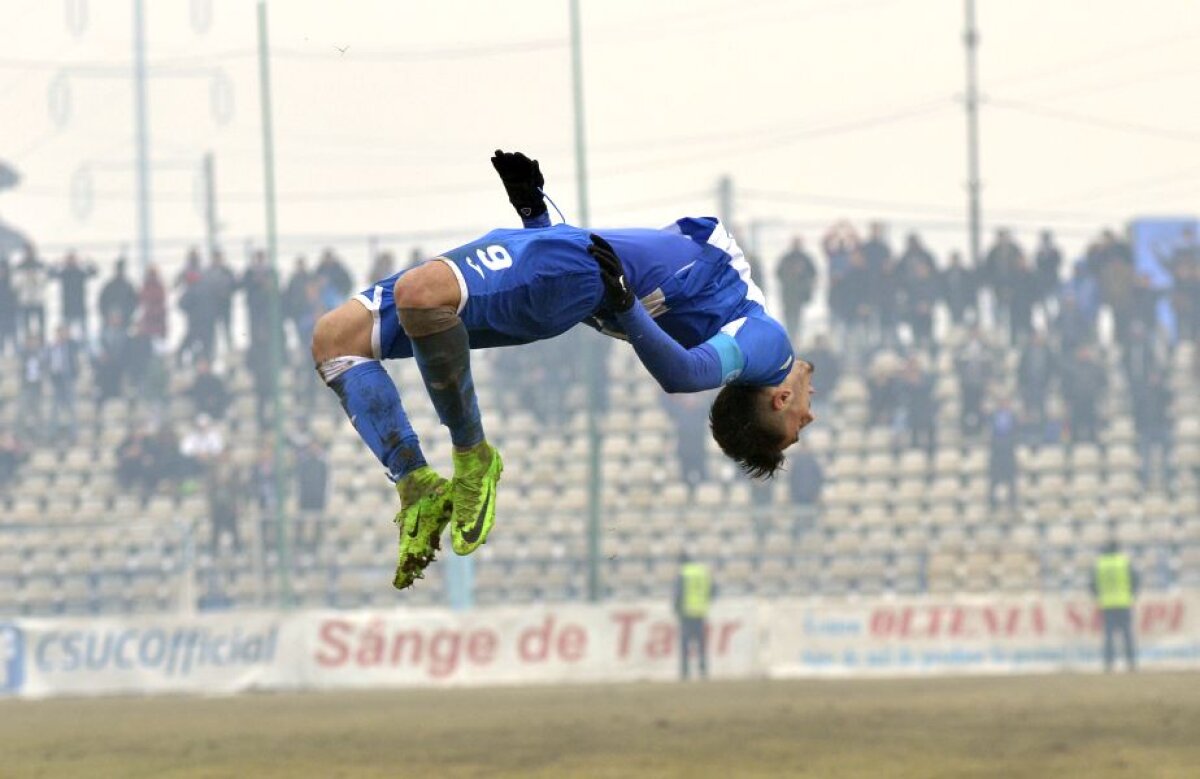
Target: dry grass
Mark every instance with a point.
(1049, 726)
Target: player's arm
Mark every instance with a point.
(674, 367)
(523, 181)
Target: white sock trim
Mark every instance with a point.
(373, 305)
(462, 283)
(332, 369)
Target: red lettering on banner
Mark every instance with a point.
(625, 621)
(935, 623)
(370, 647)
(1081, 618)
(481, 647)
(443, 653)
(1164, 616)
(534, 643)
(938, 621)
(662, 640)
(727, 631)
(330, 634)
(957, 618)
(1039, 619)
(412, 640)
(572, 643)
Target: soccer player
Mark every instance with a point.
(682, 296)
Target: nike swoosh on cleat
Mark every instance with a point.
(471, 535)
(416, 528)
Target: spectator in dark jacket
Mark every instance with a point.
(73, 277)
(296, 300)
(918, 406)
(1002, 460)
(689, 413)
(797, 276)
(806, 477)
(8, 308)
(29, 283)
(1036, 370)
(225, 488)
(960, 289)
(827, 370)
(921, 293)
(118, 297)
(12, 454)
(33, 387)
(1024, 293)
(334, 274)
(220, 284)
(999, 266)
(312, 488)
(109, 363)
(201, 305)
(62, 362)
(974, 366)
(259, 285)
(1153, 423)
(1047, 262)
(1083, 382)
(208, 392)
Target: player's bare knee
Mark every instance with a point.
(431, 285)
(324, 338)
(344, 331)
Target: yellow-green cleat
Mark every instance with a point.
(476, 473)
(424, 513)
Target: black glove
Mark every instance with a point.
(522, 181)
(617, 294)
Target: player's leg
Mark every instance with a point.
(345, 349)
(428, 303)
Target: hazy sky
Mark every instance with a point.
(818, 109)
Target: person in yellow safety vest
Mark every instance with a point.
(694, 591)
(1115, 585)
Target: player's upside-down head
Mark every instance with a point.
(753, 425)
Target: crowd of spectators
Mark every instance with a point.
(883, 305)
(890, 310)
(118, 336)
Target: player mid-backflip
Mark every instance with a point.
(682, 296)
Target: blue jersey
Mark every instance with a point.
(701, 322)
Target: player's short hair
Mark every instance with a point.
(742, 429)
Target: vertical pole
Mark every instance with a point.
(142, 134)
(594, 353)
(725, 202)
(577, 101)
(971, 41)
(276, 345)
(210, 204)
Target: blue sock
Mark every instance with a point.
(371, 401)
(445, 362)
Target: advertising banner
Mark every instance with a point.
(79, 656)
(573, 643)
(966, 634)
(566, 643)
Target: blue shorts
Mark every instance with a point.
(516, 286)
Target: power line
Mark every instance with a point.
(1097, 121)
(867, 204)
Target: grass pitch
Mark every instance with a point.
(1038, 726)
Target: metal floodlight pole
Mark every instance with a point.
(971, 42)
(276, 345)
(593, 354)
(143, 135)
(210, 203)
